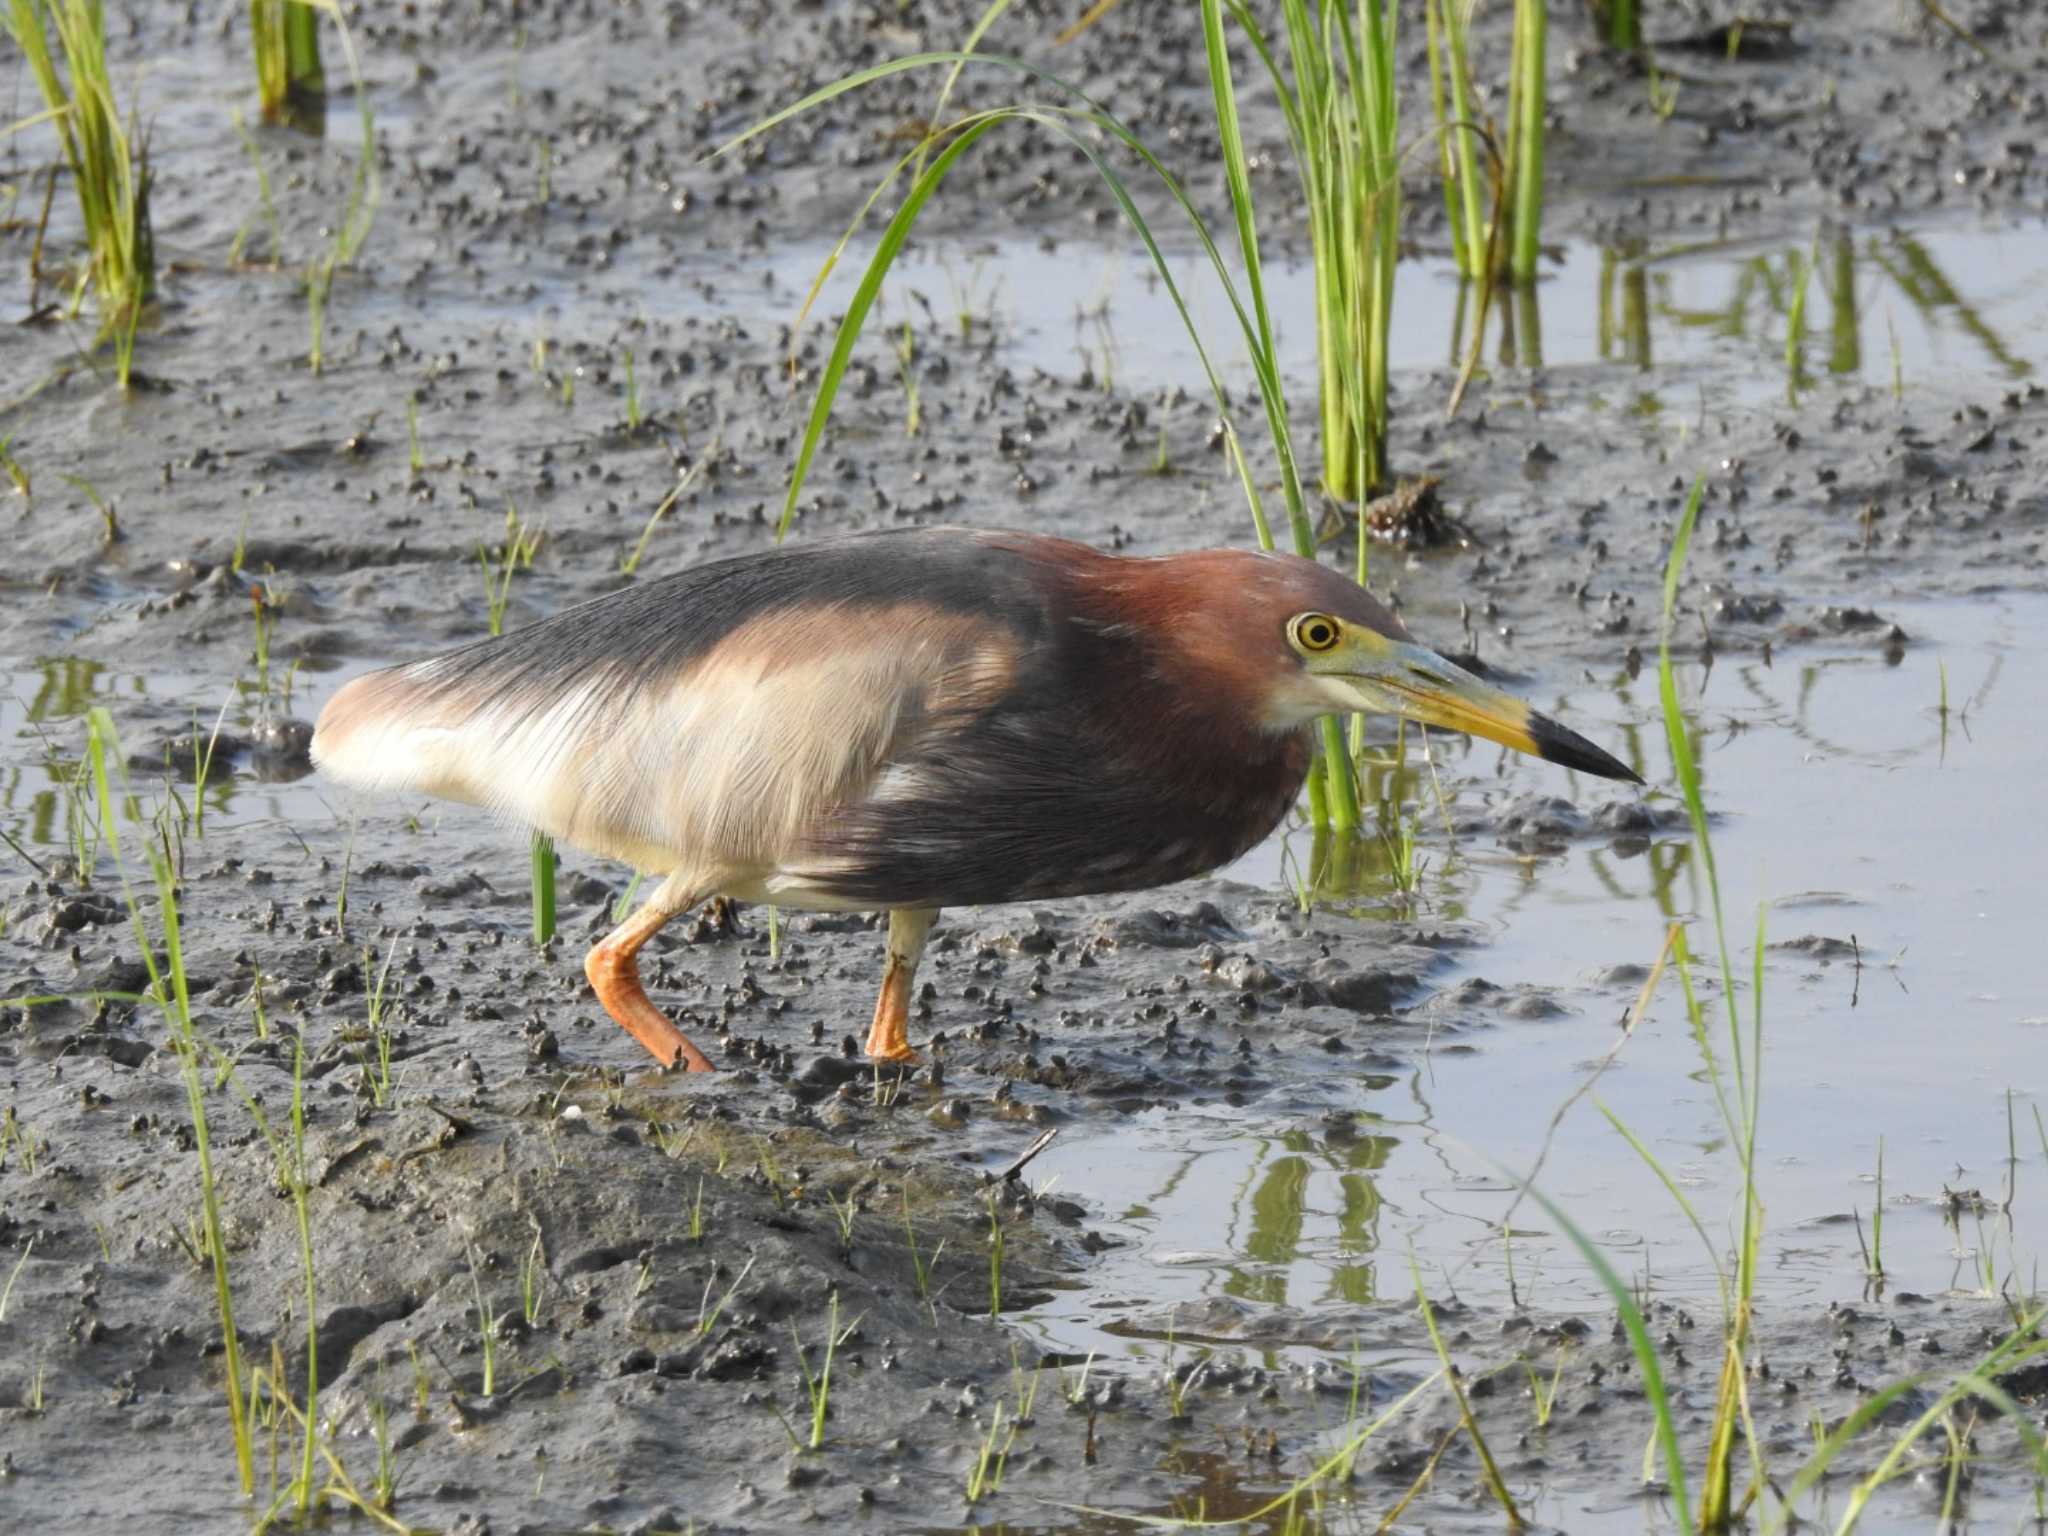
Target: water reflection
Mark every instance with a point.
(1785, 304)
(1887, 307)
(1839, 809)
(45, 795)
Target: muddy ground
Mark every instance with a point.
(541, 183)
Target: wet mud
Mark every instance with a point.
(658, 1260)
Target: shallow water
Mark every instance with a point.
(45, 795)
(1702, 322)
(1843, 802)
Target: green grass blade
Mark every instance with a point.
(1678, 1195)
(893, 237)
(543, 888)
(1640, 1344)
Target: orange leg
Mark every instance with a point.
(614, 971)
(889, 1037)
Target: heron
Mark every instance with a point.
(908, 720)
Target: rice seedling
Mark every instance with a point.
(985, 1477)
(1343, 120)
(422, 1383)
(487, 1323)
(1543, 1394)
(1075, 1389)
(921, 1267)
(632, 395)
(707, 1314)
(531, 1283)
(1507, 240)
(1873, 1256)
(109, 164)
(291, 86)
(340, 1486)
(1489, 1469)
(2012, 1158)
(359, 213)
(543, 866)
(1621, 23)
(172, 996)
(266, 206)
(377, 1047)
(202, 764)
(697, 1214)
(14, 1274)
(906, 369)
(1526, 97)
(818, 1385)
(384, 1487)
(415, 461)
(12, 467)
(522, 543)
(630, 566)
(844, 1209)
(1802, 265)
(110, 521)
(21, 1141)
(769, 1171)
(1178, 1380)
(288, 1148)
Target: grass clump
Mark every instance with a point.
(1336, 90)
(1496, 224)
(109, 163)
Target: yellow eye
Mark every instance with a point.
(1315, 632)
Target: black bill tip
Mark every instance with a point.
(1571, 750)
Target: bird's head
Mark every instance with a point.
(1309, 642)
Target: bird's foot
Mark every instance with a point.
(615, 978)
(890, 1045)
